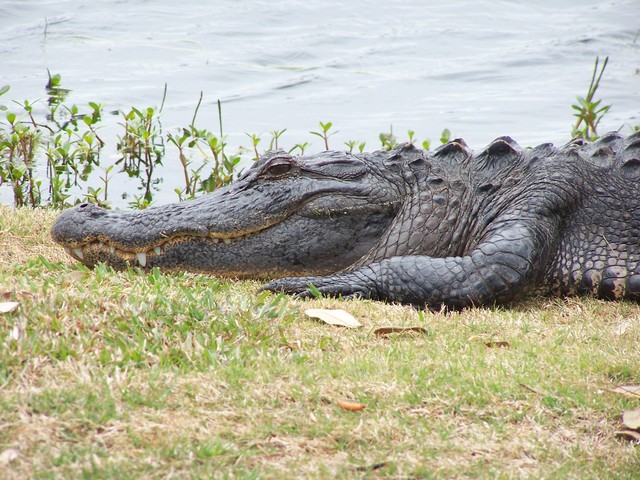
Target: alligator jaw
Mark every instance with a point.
(104, 251)
(288, 248)
(284, 217)
(159, 236)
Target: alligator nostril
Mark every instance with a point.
(82, 206)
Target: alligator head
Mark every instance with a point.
(286, 216)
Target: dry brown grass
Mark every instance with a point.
(124, 374)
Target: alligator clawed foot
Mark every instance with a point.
(297, 286)
(309, 287)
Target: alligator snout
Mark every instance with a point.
(69, 229)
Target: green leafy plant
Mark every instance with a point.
(69, 140)
(300, 146)
(352, 144)
(445, 136)
(324, 133)
(388, 140)
(17, 161)
(210, 149)
(4, 89)
(57, 94)
(255, 140)
(65, 142)
(589, 111)
(275, 137)
(224, 167)
(142, 147)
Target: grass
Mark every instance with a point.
(109, 374)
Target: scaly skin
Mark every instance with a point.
(444, 228)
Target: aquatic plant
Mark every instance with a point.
(589, 112)
(66, 145)
(324, 133)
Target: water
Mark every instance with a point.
(480, 68)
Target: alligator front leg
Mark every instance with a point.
(496, 271)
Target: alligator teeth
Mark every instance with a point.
(68, 250)
(157, 250)
(142, 259)
(227, 241)
(112, 249)
(100, 245)
(216, 240)
(78, 253)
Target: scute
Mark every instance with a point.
(631, 169)
(454, 152)
(499, 154)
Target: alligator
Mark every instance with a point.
(443, 229)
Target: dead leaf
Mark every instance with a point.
(497, 344)
(622, 328)
(351, 406)
(74, 276)
(629, 390)
(15, 333)
(630, 435)
(631, 419)
(386, 331)
(8, 307)
(334, 317)
(8, 456)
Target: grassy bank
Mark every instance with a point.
(122, 374)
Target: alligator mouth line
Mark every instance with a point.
(141, 255)
(157, 250)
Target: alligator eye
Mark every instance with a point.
(279, 169)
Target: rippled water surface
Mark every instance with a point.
(480, 68)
